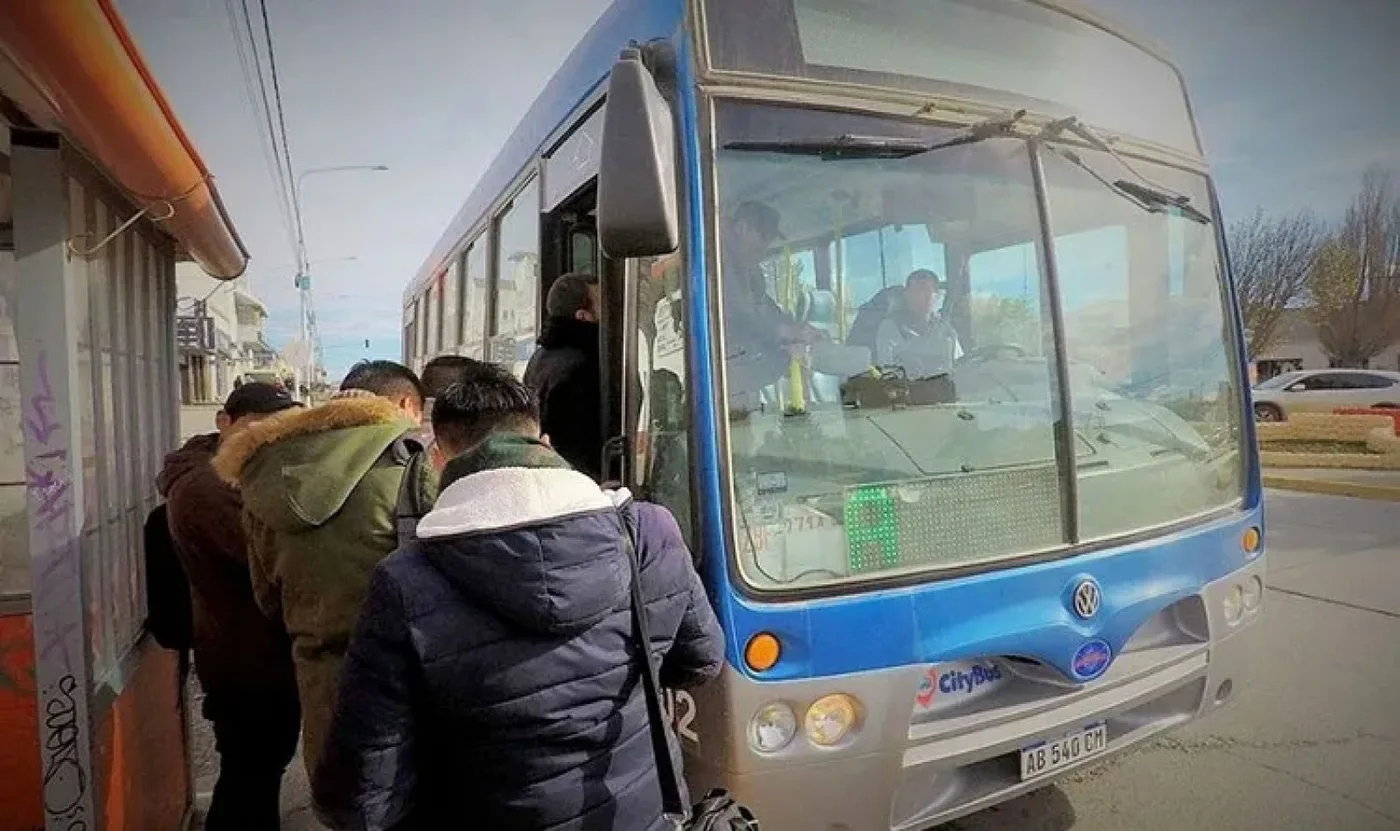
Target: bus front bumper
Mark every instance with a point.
(917, 776)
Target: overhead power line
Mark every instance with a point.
(282, 124)
(255, 87)
(273, 127)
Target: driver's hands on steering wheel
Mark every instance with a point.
(990, 352)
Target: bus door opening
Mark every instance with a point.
(571, 247)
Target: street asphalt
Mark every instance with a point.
(1312, 743)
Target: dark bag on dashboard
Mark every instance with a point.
(717, 811)
(891, 387)
(935, 390)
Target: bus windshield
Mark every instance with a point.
(922, 428)
(1001, 53)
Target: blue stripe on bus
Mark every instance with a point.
(704, 380)
(1020, 611)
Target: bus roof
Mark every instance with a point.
(577, 78)
(585, 69)
(1077, 8)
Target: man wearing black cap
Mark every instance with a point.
(242, 659)
(760, 337)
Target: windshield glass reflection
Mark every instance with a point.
(890, 357)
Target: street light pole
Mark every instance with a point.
(303, 278)
(297, 190)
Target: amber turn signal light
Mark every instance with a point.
(1252, 540)
(762, 652)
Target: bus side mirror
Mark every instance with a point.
(637, 211)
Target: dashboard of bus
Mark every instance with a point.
(911, 389)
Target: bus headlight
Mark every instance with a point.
(772, 727)
(1253, 593)
(830, 720)
(1233, 606)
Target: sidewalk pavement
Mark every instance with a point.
(1365, 484)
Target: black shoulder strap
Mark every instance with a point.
(671, 801)
(409, 508)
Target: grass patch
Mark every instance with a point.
(1314, 446)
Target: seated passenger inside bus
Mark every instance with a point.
(902, 326)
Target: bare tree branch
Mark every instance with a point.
(1355, 285)
(1272, 259)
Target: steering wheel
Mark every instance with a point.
(989, 351)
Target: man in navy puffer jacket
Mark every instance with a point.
(491, 682)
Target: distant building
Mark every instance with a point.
(206, 330)
(1296, 346)
(222, 342)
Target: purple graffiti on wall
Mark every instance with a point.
(57, 609)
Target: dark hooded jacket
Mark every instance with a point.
(491, 680)
(564, 373)
(235, 645)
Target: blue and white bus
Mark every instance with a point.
(947, 575)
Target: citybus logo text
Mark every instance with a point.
(956, 681)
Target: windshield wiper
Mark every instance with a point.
(850, 146)
(1151, 196)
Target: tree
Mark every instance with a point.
(1005, 320)
(1355, 282)
(1272, 260)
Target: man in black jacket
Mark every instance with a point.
(564, 373)
(242, 659)
(490, 682)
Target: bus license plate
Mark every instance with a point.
(1047, 757)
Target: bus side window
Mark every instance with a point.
(517, 284)
(662, 444)
(475, 285)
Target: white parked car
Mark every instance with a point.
(1325, 390)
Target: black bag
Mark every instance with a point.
(169, 611)
(717, 811)
(891, 387)
(412, 504)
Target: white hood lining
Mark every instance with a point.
(511, 497)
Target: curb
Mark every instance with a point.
(1333, 487)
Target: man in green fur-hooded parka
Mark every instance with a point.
(320, 487)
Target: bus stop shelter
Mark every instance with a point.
(101, 193)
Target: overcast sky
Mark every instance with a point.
(431, 89)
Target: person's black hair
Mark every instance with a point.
(445, 370)
(491, 401)
(924, 275)
(570, 294)
(386, 379)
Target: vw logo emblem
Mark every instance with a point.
(1087, 599)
